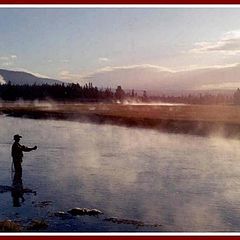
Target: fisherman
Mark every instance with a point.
(17, 154)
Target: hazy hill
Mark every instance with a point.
(156, 79)
(20, 78)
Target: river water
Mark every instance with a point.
(182, 182)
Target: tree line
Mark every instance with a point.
(89, 93)
(57, 92)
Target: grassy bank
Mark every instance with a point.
(194, 119)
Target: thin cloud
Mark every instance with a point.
(133, 67)
(10, 57)
(103, 59)
(6, 61)
(211, 67)
(70, 77)
(65, 61)
(229, 43)
(6, 64)
(4, 58)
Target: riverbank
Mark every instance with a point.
(192, 119)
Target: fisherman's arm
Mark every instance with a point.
(28, 149)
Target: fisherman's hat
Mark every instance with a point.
(17, 137)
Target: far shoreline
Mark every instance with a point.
(204, 120)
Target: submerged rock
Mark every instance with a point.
(9, 226)
(132, 222)
(37, 225)
(84, 211)
(62, 215)
(124, 221)
(43, 204)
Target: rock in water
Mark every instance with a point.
(132, 222)
(37, 225)
(43, 204)
(77, 211)
(84, 211)
(9, 226)
(94, 212)
(124, 221)
(62, 215)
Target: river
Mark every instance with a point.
(184, 183)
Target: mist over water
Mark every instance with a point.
(154, 104)
(183, 182)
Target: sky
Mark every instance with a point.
(74, 43)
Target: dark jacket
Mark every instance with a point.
(18, 149)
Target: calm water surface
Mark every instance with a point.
(183, 182)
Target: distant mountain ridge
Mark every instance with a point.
(156, 79)
(21, 78)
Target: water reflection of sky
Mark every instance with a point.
(184, 182)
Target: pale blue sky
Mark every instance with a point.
(58, 42)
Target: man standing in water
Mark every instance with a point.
(17, 154)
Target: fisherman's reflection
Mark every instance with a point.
(17, 190)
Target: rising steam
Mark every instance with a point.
(2, 81)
